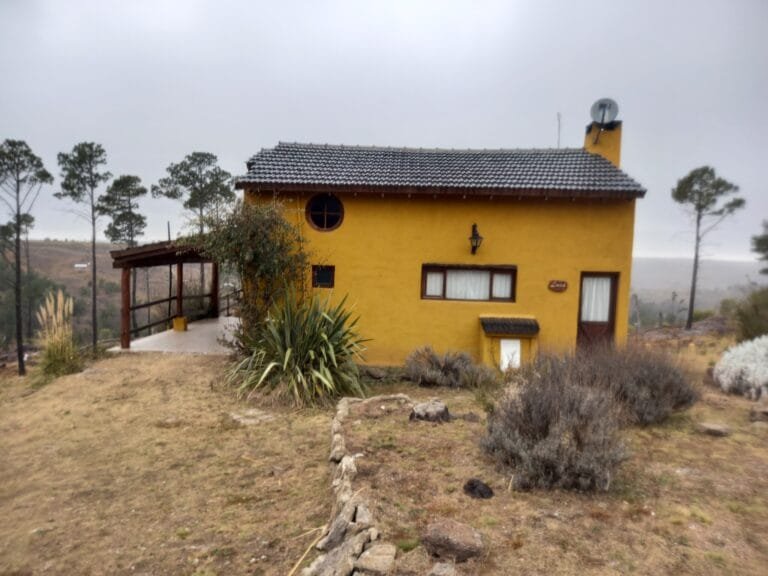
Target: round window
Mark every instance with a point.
(325, 212)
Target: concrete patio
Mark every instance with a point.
(201, 337)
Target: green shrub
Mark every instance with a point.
(59, 354)
(553, 430)
(699, 315)
(752, 316)
(453, 370)
(264, 249)
(305, 351)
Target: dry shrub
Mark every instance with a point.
(453, 370)
(554, 431)
(59, 355)
(649, 384)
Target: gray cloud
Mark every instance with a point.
(155, 80)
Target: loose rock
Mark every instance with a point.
(442, 569)
(714, 429)
(451, 539)
(476, 488)
(432, 411)
(374, 373)
(759, 412)
(338, 448)
(379, 559)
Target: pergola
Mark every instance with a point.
(153, 255)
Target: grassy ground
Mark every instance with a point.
(684, 503)
(130, 468)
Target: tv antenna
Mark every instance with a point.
(603, 112)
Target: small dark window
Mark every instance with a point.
(325, 212)
(323, 276)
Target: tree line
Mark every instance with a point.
(91, 192)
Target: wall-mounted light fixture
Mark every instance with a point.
(475, 240)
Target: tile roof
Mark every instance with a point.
(511, 326)
(504, 171)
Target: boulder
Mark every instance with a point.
(432, 411)
(378, 560)
(714, 429)
(452, 540)
(759, 412)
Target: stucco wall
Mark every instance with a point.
(379, 249)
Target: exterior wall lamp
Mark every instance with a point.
(475, 240)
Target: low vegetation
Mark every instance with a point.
(752, 316)
(265, 251)
(59, 354)
(648, 384)
(425, 367)
(553, 430)
(557, 423)
(306, 352)
(743, 369)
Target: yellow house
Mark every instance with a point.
(499, 253)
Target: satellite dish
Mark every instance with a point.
(604, 111)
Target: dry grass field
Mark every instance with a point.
(135, 467)
(683, 503)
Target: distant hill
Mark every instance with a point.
(655, 279)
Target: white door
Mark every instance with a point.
(510, 354)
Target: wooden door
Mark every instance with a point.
(597, 308)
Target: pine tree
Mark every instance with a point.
(81, 180)
(702, 191)
(203, 187)
(22, 176)
(120, 204)
(760, 245)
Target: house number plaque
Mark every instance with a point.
(558, 285)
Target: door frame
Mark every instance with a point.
(614, 276)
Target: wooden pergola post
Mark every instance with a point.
(125, 308)
(215, 289)
(180, 289)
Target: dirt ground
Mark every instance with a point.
(135, 467)
(684, 503)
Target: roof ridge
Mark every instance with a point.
(316, 146)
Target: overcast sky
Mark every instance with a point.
(152, 80)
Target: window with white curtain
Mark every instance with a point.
(502, 285)
(467, 284)
(434, 284)
(481, 283)
(596, 298)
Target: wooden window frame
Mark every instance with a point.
(308, 212)
(316, 268)
(492, 268)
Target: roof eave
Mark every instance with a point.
(603, 194)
